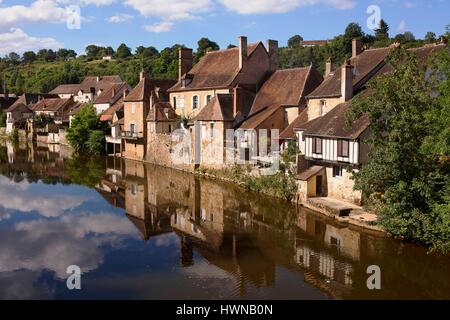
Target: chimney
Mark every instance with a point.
(347, 81)
(272, 50)
(328, 67)
(142, 75)
(238, 103)
(113, 91)
(357, 47)
(125, 93)
(185, 59)
(98, 79)
(242, 51)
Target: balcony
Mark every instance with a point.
(115, 140)
(130, 135)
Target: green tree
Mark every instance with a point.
(406, 179)
(123, 51)
(382, 32)
(29, 56)
(430, 37)
(295, 41)
(2, 119)
(84, 131)
(205, 45)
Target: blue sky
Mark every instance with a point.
(30, 25)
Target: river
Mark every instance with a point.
(144, 232)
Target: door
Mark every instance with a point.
(319, 182)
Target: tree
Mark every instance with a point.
(430, 37)
(382, 32)
(409, 36)
(205, 45)
(83, 135)
(295, 41)
(123, 51)
(93, 52)
(2, 119)
(406, 178)
(28, 56)
(65, 54)
(14, 58)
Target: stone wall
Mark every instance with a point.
(342, 187)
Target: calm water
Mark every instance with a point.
(146, 232)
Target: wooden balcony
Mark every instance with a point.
(129, 135)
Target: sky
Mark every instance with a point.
(74, 24)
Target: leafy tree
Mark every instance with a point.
(406, 179)
(205, 45)
(409, 37)
(64, 54)
(84, 131)
(430, 37)
(295, 41)
(92, 51)
(14, 58)
(96, 142)
(28, 57)
(123, 51)
(382, 32)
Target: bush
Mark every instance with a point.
(2, 119)
(96, 142)
(279, 185)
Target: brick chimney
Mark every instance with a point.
(347, 81)
(272, 50)
(125, 93)
(242, 51)
(142, 75)
(185, 59)
(113, 91)
(357, 47)
(328, 67)
(238, 103)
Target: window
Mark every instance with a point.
(133, 108)
(342, 148)
(337, 171)
(175, 103)
(134, 189)
(132, 128)
(208, 99)
(323, 107)
(182, 102)
(317, 145)
(211, 130)
(194, 102)
(170, 128)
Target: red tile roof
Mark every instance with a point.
(289, 132)
(217, 69)
(143, 90)
(220, 108)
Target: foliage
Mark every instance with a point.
(83, 135)
(407, 177)
(205, 45)
(279, 185)
(41, 120)
(295, 41)
(14, 136)
(86, 170)
(291, 152)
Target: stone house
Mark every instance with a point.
(137, 105)
(218, 72)
(111, 100)
(281, 99)
(18, 113)
(88, 90)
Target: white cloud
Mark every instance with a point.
(280, 6)
(16, 40)
(409, 5)
(119, 18)
(164, 26)
(401, 27)
(38, 11)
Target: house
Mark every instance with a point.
(137, 105)
(223, 112)
(114, 143)
(332, 153)
(218, 72)
(313, 43)
(18, 113)
(6, 101)
(110, 100)
(281, 99)
(88, 89)
(57, 109)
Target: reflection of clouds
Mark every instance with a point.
(16, 196)
(167, 240)
(21, 285)
(4, 215)
(55, 244)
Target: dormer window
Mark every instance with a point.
(208, 99)
(323, 107)
(185, 82)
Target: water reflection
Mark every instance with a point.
(162, 233)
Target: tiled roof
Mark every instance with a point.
(220, 108)
(99, 83)
(29, 98)
(333, 124)
(107, 97)
(286, 88)
(365, 64)
(143, 90)
(66, 89)
(217, 69)
(162, 111)
(309, 173)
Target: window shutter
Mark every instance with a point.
(339, 148)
